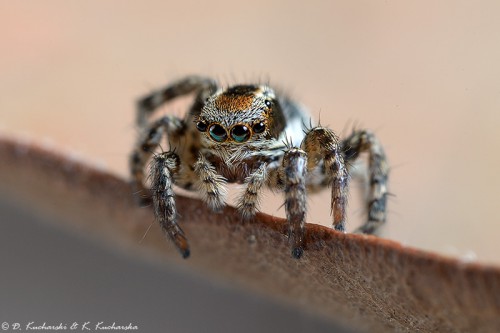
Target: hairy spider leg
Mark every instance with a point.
(145, 147)
(378, 171)
(148, 104)
(163, 169)
(322, 145)
(294, 170)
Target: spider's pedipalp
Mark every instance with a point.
(247, 204)
(211, 184)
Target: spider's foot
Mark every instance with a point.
(297, 252)
(215, 201)
(297, 245)
(371, 227)
(339, 227)
(185, 253)
(247, 211)
(182, 245)
(217, 209)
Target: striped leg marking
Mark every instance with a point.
(294, 179)
(145, 147)
(163, 169)
(248, 203)
(378, 169)
(321, 144)
(148, 104)
(211, 184)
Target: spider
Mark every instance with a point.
(250, 135)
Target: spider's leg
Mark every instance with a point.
(293, 176)
(211, 184)
(145, 147)
(365, 141)
(248, 202)
(321, 144)
(149, 103)
(163, 168)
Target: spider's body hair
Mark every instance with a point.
(246, 104)
(250, 135)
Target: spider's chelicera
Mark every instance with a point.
(247, 134)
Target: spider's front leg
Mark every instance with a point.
(163, 168)
(321, 144)
(211, 184)
(378, 169)
(294, 170)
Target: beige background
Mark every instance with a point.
(425, 75)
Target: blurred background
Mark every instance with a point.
(424, 75)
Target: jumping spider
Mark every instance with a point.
(249, 135)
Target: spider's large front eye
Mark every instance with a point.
(240, 133)
(259, 127)
(201, 126)
(218, 133)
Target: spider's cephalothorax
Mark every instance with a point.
(246, 134)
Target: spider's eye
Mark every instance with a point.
(268, 103)
(218, 133)
(201, 126)
(240, 133)
(259, 127)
